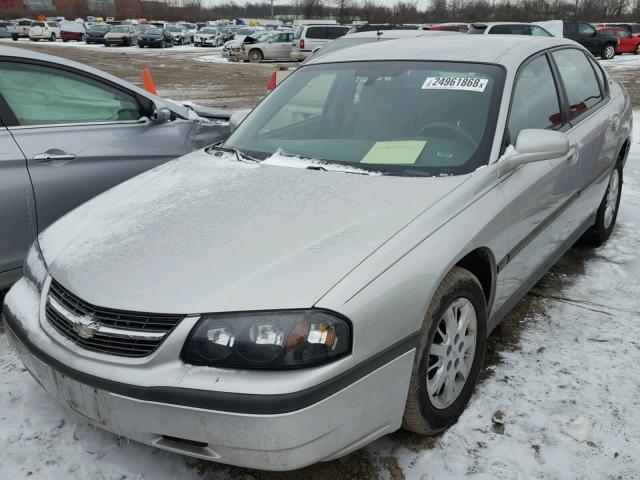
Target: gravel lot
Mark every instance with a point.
(566, 351)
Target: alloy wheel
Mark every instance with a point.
(451, 353)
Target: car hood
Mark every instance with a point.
(209, 234)
(117, 34)
(205, 35)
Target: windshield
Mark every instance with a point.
(208, 30)
(245, 31)
(99, 28)
(174, 29)
(121, 29)
(37, 24)
(424, 118)
(153, 31)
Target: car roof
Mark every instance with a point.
(395, 34)
(489, 24)
(507, 50)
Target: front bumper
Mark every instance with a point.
(238, 56)
(270, 432)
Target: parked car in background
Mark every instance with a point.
(603, 44)
(4, 29)
(69, 132)
(44, 31)
(233, 49)
(20, 29)
(449, 27)
(276, 46)
(508, 28)
(180, 34)
(96, 33)
(156, 37)
(632, 28)
(627, 43)
(238, 38)
(308, 38)
(212, 36)
(418, 194)
(72, 31)
(125, 35)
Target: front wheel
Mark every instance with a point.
(637, 52)
(449, 356)
(52, 38)
(255, 56)
(608, 52)
(607, 213)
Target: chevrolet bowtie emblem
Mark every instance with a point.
(86, 330)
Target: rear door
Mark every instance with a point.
(592, 125)
(80, 134)
(316, 37)
(17, 208)
(279, 46)
(627, 44)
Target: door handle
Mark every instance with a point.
(573, 155)
(51, 156)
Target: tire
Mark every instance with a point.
(15, 37)
(608, 52)
(52, 38)
(140, 46)
(637, 52)
(255, 56)
(127, 42)
(607, 212)
(460, 293)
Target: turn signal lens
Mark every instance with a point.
(287, 339)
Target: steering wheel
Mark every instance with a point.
(463, 134)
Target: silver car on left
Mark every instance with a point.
(69, 132)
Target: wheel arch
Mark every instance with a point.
(482, 264)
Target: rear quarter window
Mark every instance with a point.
(317, 32)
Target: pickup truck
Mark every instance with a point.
(21, 30)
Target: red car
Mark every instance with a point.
(72, 31)
(627, 43)
(450, 27)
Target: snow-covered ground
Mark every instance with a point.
(177, 49)
(577, 358)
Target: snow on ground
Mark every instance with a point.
(578, 358)
(177, 49)
(622, 62)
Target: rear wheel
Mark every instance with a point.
(449, 356)
(637, 52)
(15, 37)
(607, 213)
(52, 38)
(608, 52)
(255, 56)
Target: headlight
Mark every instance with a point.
(268, 340)
(35, 270)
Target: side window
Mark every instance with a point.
(586, 30)
(537, 31)
(510, 30)
(316, 32)
(535, 99)
(599, 74)
(570, 29)
(308, 103)
(580, 82)
(623, 34)
(40, 95)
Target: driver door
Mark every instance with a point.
(541, 195)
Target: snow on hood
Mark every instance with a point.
(208, 233)
(281, 159)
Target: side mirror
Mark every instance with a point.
(534, 145)
(161, 113)
(237, 118)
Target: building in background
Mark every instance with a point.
(39, 5)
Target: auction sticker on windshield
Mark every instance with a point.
(472, 84)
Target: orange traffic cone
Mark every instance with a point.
(149, 86)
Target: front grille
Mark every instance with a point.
(114, 332)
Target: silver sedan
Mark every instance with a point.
(331, 272)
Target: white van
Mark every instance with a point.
(309, 38)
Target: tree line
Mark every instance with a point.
(373, 11)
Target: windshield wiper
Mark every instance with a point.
(240, 156)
